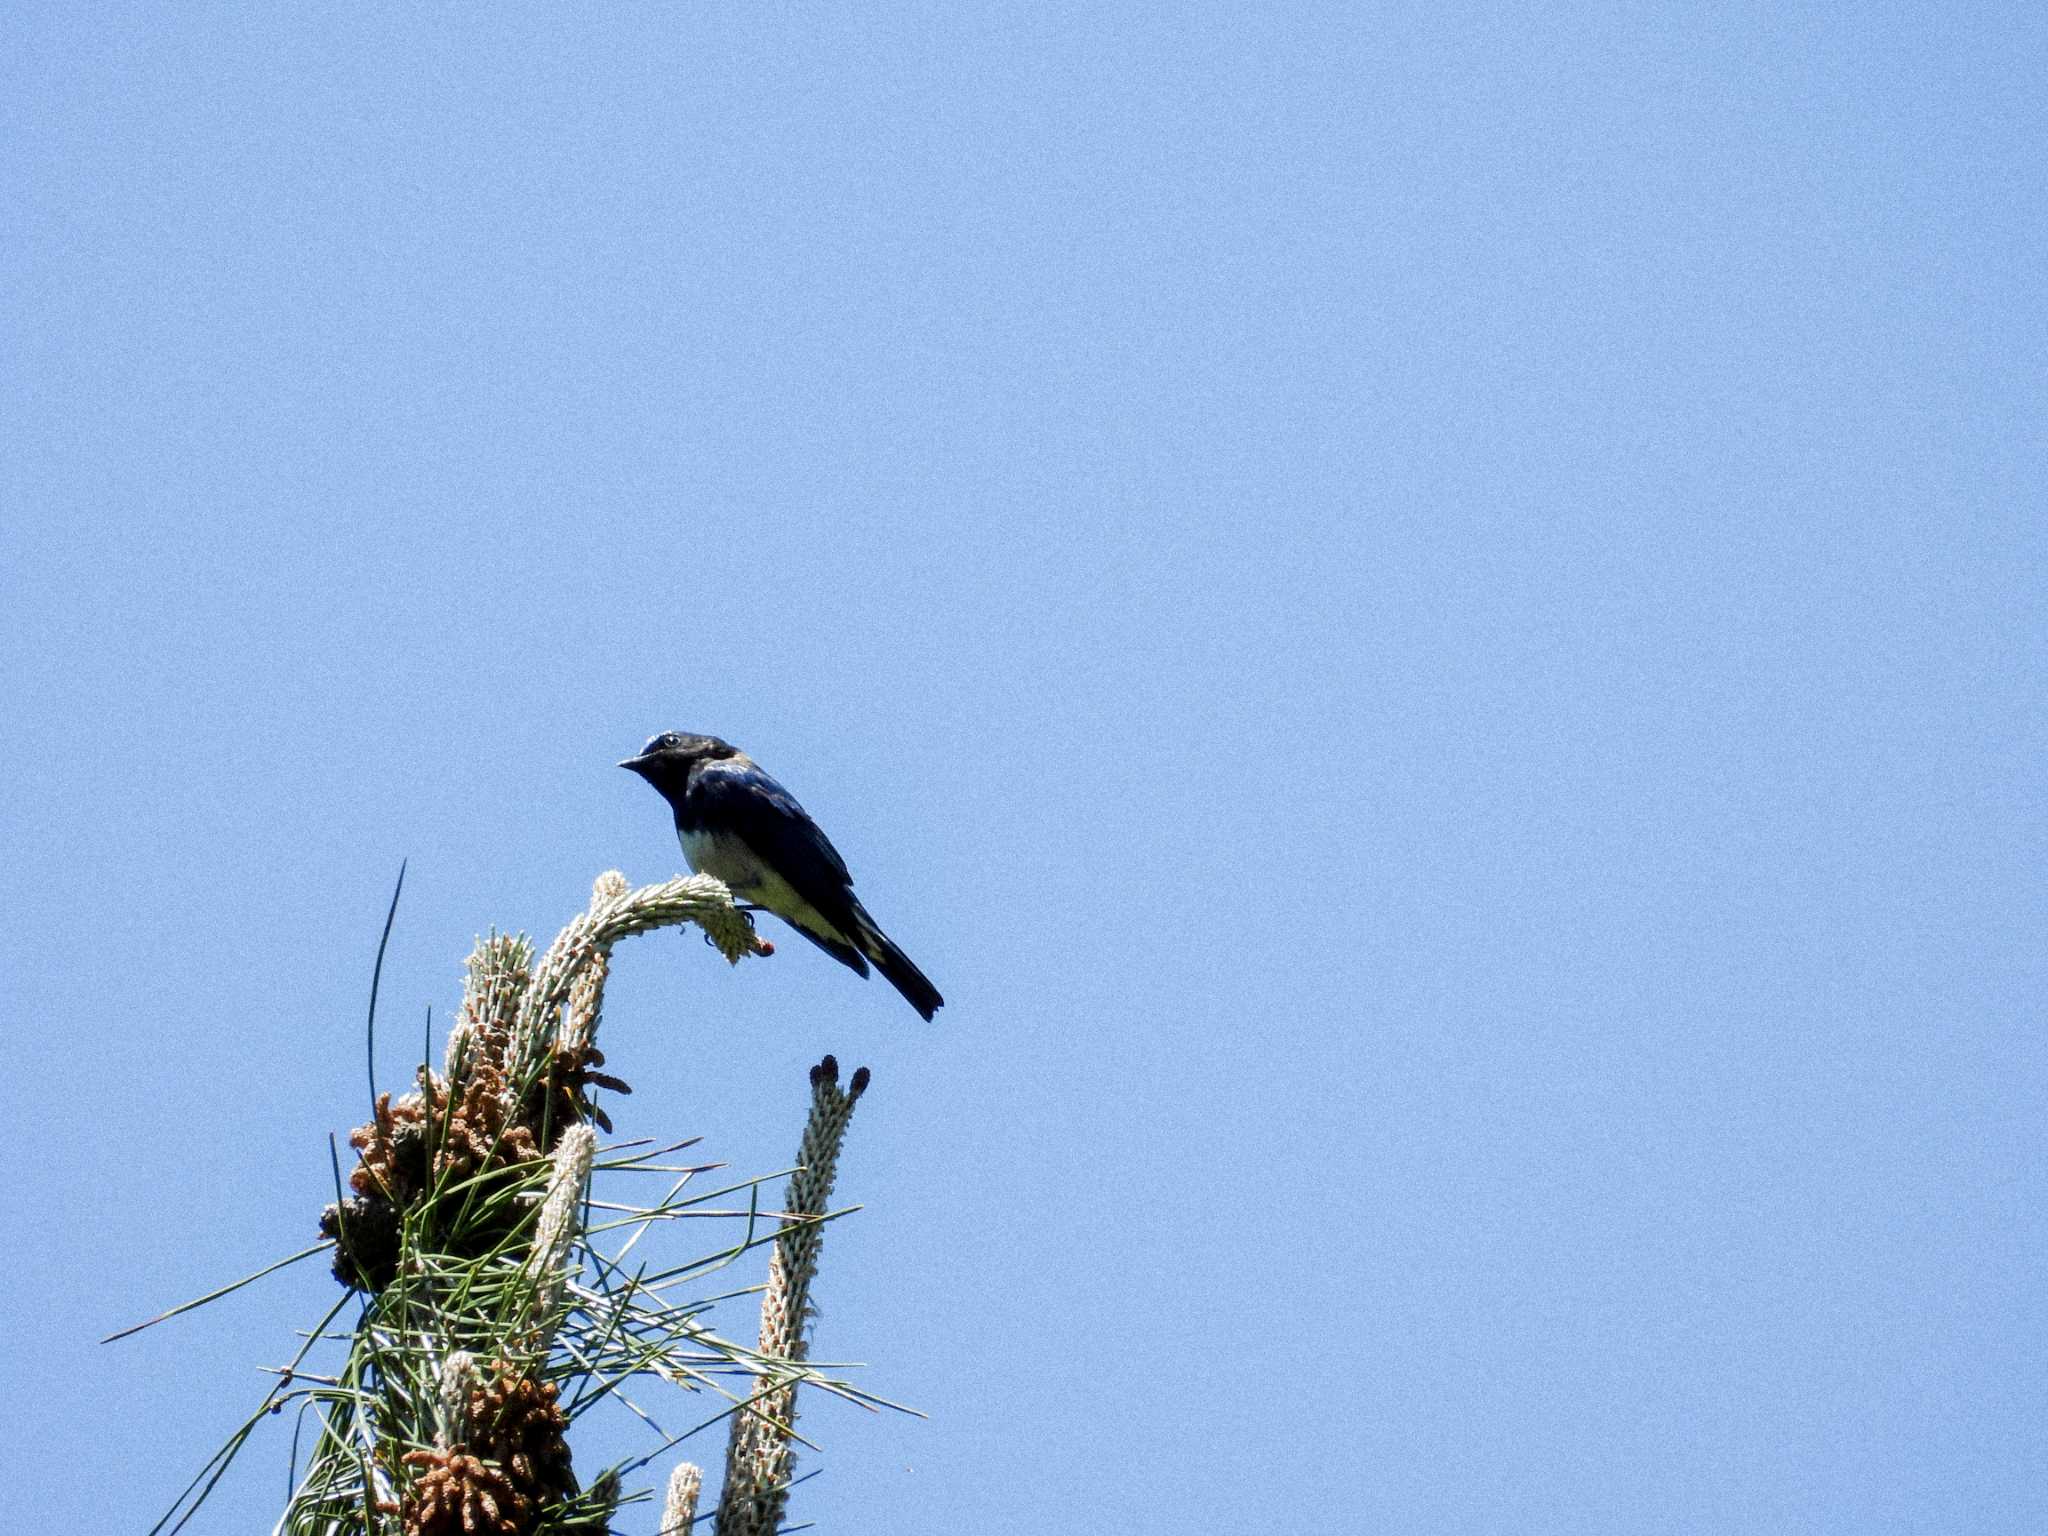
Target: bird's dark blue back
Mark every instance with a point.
(734, 796)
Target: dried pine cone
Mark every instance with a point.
(519, 1423)
(457, 1494)
(475, 1132)
(365, 1233)
(479, 1136)
(394, 1150)
(447, 1134)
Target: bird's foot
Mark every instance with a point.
(747, 911)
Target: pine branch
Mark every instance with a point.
(495, 1311)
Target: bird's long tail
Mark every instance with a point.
(895, 965)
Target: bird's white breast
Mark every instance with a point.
(731, 860)
(727, 858)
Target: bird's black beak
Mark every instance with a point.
(638, 764)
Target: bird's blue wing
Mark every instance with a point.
(739, 798)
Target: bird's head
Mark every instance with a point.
(666, 760)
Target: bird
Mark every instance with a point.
(737, 823)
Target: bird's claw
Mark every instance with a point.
(760, 945)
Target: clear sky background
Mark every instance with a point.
(1430, 619)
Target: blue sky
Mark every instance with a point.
(1430, 619)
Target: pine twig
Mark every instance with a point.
(759, 1455)
(679, 1513)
